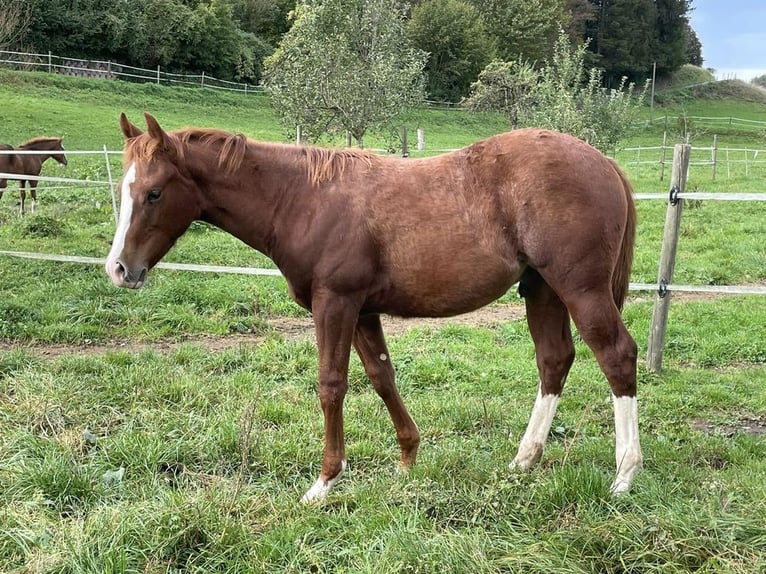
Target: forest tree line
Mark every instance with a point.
(230, 39)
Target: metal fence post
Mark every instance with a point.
(670, 236)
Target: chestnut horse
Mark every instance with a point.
(356, 235)
(29, 164)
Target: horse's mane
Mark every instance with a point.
(325, 164)
(230, 155)
(36, 141)
(322, 164)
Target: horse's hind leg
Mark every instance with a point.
(600, 326)
(548, 321)
(371, 347)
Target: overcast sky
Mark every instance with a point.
(733, 36)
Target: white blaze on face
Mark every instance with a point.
(126, 210)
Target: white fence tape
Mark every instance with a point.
(16, 176)
(161, 265)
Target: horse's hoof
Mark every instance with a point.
(321, 488)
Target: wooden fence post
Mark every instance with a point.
(715, 153)
(659, 324)
(405, 149)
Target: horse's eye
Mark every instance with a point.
(153, 195)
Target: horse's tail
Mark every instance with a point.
(621, 275)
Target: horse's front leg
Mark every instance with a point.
(22, 196)
(33, 193)
(371, 346)
(334, 320)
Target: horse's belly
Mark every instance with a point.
(450, 287)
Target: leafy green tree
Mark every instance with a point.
(213, 42)
(505, 87)
(569, 98)
(669, 50)
(759, 81)
(577, 14)
(623, 38)
(629, 36)
(167, 26)
(523, 29)
(453, 34)
(14, 20)
(268, 20)
(693, 47)
(344, 66)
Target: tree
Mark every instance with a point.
(505, 87)
(693, 47)
(629, 36)
(14, 20)
(458, 47)
(570, 99)
(577, 15)
(167, 29)
(345, 65)
(623, 37)
(670, 40)
(523, 29)
(266, 19)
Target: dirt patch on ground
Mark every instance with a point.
(300, 327)
(752, 425)
(293, 328)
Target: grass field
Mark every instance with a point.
(174, 429)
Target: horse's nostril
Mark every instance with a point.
(119, 269)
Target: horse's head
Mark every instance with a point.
(59, 157)
(159, 200)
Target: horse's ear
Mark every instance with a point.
(128, 129)
(157, 133)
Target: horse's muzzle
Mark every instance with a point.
(124, 277)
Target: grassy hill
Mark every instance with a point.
(86, 111)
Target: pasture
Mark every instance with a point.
(174, 429)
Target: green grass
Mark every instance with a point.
(217, 446)
(214, 470)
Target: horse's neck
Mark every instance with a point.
(251, 208)
(33, 162)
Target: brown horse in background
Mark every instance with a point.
(29, 164)
(356, 235)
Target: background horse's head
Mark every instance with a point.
(52, 145)
(159, 200)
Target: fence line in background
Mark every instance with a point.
(714, 159)
(729, 121)
(110, 70)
